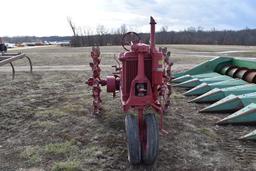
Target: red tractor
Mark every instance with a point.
(144, 82)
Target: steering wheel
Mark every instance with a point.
(129, 39)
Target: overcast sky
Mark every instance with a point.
(49, 17)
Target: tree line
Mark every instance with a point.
(191, 35)
(103, 37)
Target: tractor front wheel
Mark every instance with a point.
(150, 146)
(133, 139)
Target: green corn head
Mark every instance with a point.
(229, 83)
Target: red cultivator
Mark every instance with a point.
(143, 81)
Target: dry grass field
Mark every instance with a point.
(46, 122)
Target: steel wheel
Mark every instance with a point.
(133, 139)
(150, 145)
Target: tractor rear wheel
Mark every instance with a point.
(133, 139)
(150, 146)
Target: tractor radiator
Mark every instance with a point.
(131, 72)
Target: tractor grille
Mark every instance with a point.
(131, 68)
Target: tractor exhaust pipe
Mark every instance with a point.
(152, 34)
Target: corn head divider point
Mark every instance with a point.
(228, 83)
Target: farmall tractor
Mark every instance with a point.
(143, 80)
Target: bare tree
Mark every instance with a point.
(192, 35)
(123, 29)
(101, 30)
(164, 29)
(72, 26)
(76, 40)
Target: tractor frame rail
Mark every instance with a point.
(9, 58)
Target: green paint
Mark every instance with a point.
(182, 79)
(248, 98)
(189, 84)
(230, 103)
(215, 65)
(233, 94)
(196, 81)
(204, 87)
(206, 67)
(249, 63)
(199, 76)
(218, 94)
(211, 96)
(198, 90)
(250, 136)
(245, 115)
(227, 83)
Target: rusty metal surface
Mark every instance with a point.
(224, 70)
(241, 73)
(95, 81)
(8, 58)
(251, 77)
(231, 72)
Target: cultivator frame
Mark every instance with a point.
(143, 81)
(228, 83)
(9, 58)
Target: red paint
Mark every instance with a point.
(143, 77)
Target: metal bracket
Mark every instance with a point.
(6, 58)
